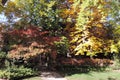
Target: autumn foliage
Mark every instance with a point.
(66, 28)
(29, 43)
(86, 26)
(85, 62)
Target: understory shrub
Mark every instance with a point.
(83, 65)
(26, 45)
(16, 73)
(116, 58)
(2, 55)
(62, 46)
(2, 58)
(116, 64)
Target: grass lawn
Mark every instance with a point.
(111, 75)
(32, 78)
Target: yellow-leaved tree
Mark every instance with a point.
(86, 23)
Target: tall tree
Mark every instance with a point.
(42, 13)
(86, 23)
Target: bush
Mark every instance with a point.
(62, 46)
(116, 63)
(26, 45)
(16, 73)
(2, 58)
(116, 57)
(2, 55)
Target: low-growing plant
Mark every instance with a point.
(16, 73)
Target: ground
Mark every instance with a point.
(48, 75)
(92, 75)
(51, 76)
(105, 75)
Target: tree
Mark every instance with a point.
(28, 45)
(86, 21)
(87, 26)
(42, 13)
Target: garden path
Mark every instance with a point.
(51, 75)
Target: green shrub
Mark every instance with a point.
(116, 57)
(62, 46)
(16, 73)
(2, 59)
(116, 62)
(2, 55)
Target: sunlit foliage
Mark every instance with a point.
(43, 13)
(87, 26)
